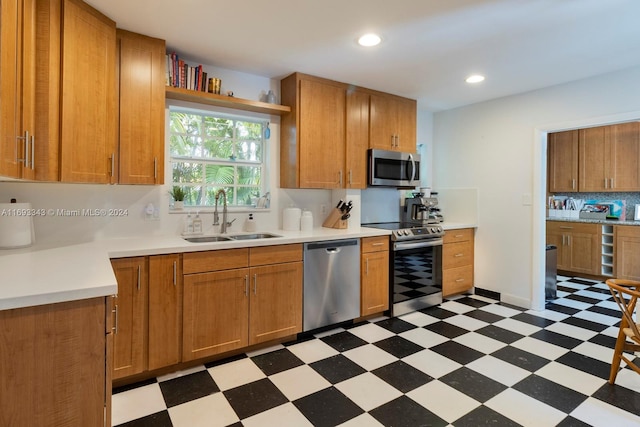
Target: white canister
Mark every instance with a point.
(306, 221)
(291, 219)
(16, 225)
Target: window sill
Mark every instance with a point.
(210, 210)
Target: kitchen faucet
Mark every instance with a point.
(216, 217)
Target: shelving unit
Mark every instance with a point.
(607, 251)
(225, 101)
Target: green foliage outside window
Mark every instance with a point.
(212, 152)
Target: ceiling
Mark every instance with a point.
(429, 46)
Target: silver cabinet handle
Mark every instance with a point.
(573, 184)
(350, 176)
(459, 280)
(397, 140)
(458, 255)
(606, 183)
(113, 164)
(377, 244)
(139, 274)
(155, 168)
(255, 284)
(175, 273)
(366, 271)
(115, 326)
(33, 152)
(340, 177)
(246, 285)
(27, 143)
(611, 183)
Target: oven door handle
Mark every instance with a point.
(399, 246)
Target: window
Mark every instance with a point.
(211, 151)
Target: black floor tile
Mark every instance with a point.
(337, 368)
(343, 341)
(458, 352)
(404, 412)
(620, 397)
(446, 329)
(438, 313)
(551, 393)
(128, 387)
(581, 281)
(277, 361)
(556, 339)
(585, 324)
(485, 316)
(586, 364)
(253, 398)
(398, 346)
(605, 341)
(520, 358)
(327, 407)
(534, 320)
(473, 384)
(582, 298)
(225, 361)
(572, 422)
(616, 314)
(159, 419)
(187, 388)
(402, 376)
(396, 325)
(473, 302)
(500, 334)
(562, 309)
(483, 416)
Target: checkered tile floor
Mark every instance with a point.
(469, 362)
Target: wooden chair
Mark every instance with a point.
(625, 293)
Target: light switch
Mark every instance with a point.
(527, 200)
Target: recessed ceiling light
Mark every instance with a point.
(475, 78)
(369, 40)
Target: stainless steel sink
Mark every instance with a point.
(253, 236)
(208, 239)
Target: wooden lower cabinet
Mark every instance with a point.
(578, 245)
(627, 262)
(374, 275)
(457, 261)
(54, 365)
(130, 307)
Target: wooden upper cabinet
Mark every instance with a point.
(88, 115)
(392, 123)
(357, 139)
(142, 87)
(562, 164)
(17, 88)
(594, 156)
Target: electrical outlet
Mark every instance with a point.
(323, 209)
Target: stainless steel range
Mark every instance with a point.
(416, 258)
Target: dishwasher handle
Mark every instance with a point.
(332, 245)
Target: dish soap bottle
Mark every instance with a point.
(250, 224)
(197, 224)
(188, 225)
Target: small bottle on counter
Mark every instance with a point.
(250, 224)
(188, 224)
(197, 224)
(306, 221)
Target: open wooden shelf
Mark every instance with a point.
(225, 101)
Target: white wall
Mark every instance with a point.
(499, 148)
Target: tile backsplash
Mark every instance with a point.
(631, 199)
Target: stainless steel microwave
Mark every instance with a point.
(393, 169)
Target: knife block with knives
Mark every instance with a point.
(338, 216)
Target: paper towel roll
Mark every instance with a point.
(291, 219)
(16, 225)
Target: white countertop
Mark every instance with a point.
(35, 276)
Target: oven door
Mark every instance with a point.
(416, 277)
(393, 169)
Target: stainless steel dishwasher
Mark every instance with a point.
(331, 282)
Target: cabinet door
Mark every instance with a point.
(578, 245)
(563, 161)
(130, 313)
(321, 134)
(142, 82)
(276, 302)
(374, 277)
(407, 112)
(594, 153)
(215, 313)
(555, 238)
(88, 116)
(383, 122)
(624, 167)
(357, 139)
(584, 250)
(165, 310)
(627, 262)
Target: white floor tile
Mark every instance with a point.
(198, 413)
(499, 370)
(423, 337)
(541, 348)
(465, 322)
(600, 414)
(481, 298)
(525, 410)
(431, 363)
(611, 305)
(595, 351)
(572, 331)
(328, 333)
(566, 302)
(312, 351)
(572, 378)
(299, 382)
(286, 415)
(364, 420)
(500, 310)
(370, 332)
(265, 350)
(548, 314)
(597, 317)
(236, 373)
(137, 403)
(628, 379)
(419, 319)
(179, 374)
(369, 356)
(479, 342)
(443, 400)
(513, 325)
(591, 294)
(368, 391)
(611, 331)
(456, 307)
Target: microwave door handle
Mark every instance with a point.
(413, 168)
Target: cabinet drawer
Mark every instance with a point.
(202, 262)
(374, 244)
(457, 254)
(460, 235)
(265, 255)
(456, 280)
(573, 227)
(627, 231)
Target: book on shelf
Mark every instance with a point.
(180, 74)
